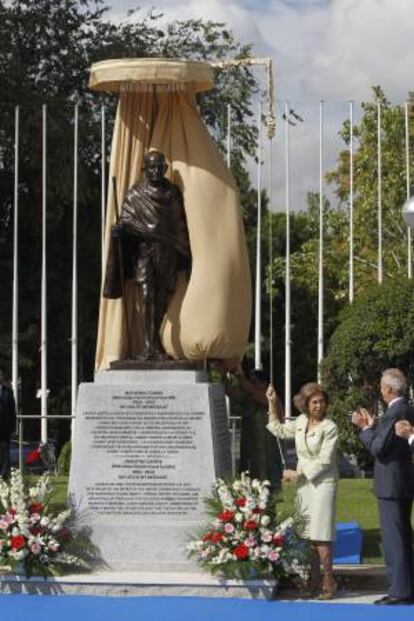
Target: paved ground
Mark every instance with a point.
(359, 584)
(343, 597)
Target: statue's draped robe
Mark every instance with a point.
(154, 215)
(209, 315)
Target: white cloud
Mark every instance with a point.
(322, 49)
(365, 43)
(337, 49)
(238, 17)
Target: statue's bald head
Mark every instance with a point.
(155, 166)
(155, 156)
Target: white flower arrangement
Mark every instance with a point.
(245, 536)
(29, 534)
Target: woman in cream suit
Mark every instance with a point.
(316, 439)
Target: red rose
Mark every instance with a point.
(12, 512)
(36, 507)
(18, 542)
(207, 537)
(241, 551)
(241, 502)
(250, 524)
(216, 537)
(256, 510)
(278, 540)
(226, 516)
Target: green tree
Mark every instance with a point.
(374, 333)
(393, 184)
(304, 255)
(304, 261)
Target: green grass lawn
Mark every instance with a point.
(356, 502)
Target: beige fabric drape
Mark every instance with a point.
(208, 317)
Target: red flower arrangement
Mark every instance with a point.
(244, 538)
(30, 536)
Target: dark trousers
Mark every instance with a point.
(396, 532)
(4, 459)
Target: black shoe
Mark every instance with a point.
(390, 600)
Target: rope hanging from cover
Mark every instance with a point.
(270, 124)
(270, 120)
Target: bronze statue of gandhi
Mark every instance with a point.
(153, 246)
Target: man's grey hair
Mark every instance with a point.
(395, 379)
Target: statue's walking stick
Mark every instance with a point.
(121, 269)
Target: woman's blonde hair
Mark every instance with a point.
(305, 394)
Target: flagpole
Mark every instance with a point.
(15, 310)
(229, 135)
(351, 202)
(103, 186)
(270, 241)
(288, 387)
(43, 347)
(74, 339)
(379, 194)
(408, 182)
(320, 270)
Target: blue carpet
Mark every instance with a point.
(80, 607)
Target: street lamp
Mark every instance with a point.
(408, 217)
(408, 212)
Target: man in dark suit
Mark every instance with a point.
(7, 423)
(393, 484)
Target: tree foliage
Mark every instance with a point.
(376, 332)
(336, 226)
(366, 183)
(304, 261)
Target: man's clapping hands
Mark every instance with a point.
(404, 429)
(362, 418)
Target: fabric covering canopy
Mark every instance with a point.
(112, 75)
(208, 316)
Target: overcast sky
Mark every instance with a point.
(334, 50)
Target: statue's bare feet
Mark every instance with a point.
(152, 354)
(146, 354)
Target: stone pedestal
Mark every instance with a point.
(147, 447)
